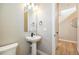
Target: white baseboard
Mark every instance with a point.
(67, 41)
(41, 52)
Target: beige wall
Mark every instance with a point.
(66, 5)
(66, 29)
(12, 26)
(0, 22)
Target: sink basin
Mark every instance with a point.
(33, 39)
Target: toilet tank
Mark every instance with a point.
(8, 49)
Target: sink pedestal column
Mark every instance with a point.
(34, 48)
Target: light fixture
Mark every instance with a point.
(29, 6)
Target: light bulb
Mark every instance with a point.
(29, 7)
(25, 5)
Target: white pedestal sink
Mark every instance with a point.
(34, 41)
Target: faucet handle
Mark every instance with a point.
(31, 34)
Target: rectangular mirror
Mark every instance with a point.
(25, 21)
(29, 18)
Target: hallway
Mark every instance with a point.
(66, 48)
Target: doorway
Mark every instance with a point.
(67, 34)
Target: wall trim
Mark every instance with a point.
(67, 41)
(41, 52)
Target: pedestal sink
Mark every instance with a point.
(34, 41)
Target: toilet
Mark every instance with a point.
(8, 49)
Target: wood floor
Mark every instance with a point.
(66, 48)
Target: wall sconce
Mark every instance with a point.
(28, 6)
(33, 24)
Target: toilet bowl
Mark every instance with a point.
(8, 49)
